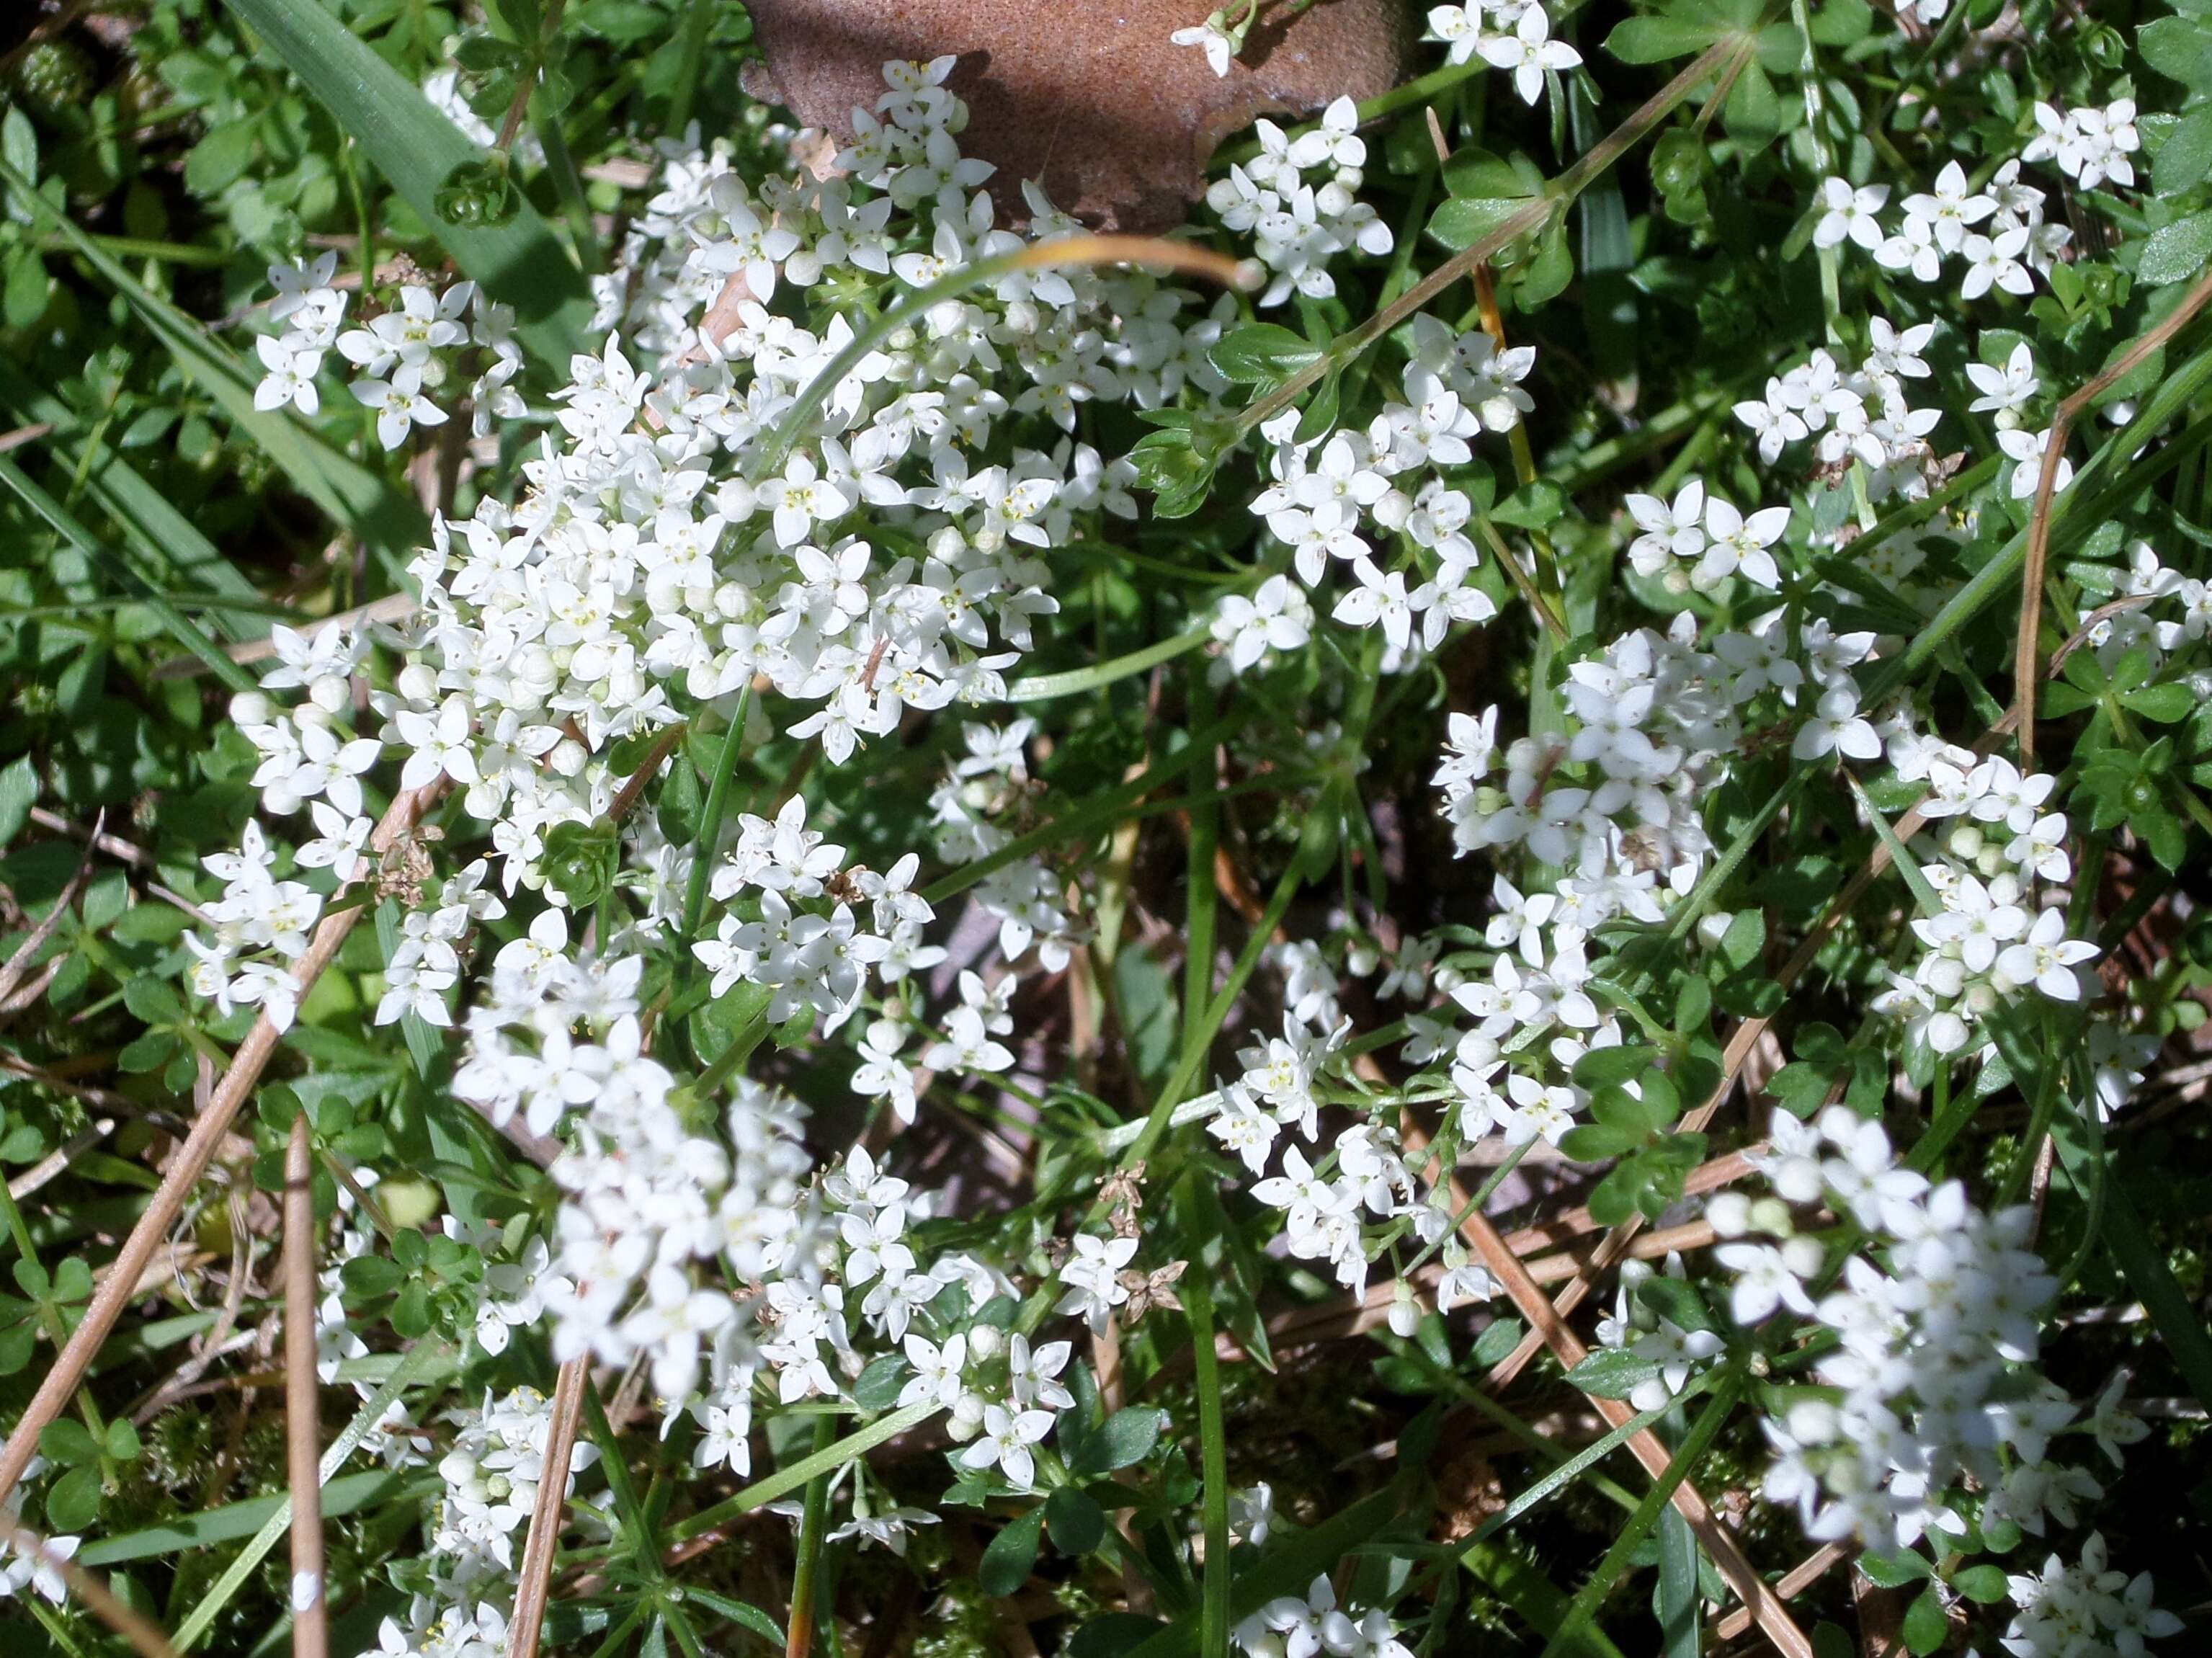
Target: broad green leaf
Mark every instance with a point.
(19, 791)
(1262, 354)
(1611, 1373)
(2186, 157)
(1078, 1523)
(2178, 253)
(1011, 1556)
(2179, 49)
(518, 263)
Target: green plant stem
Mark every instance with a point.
(710, 817)
(813, 1519)
(827, 1459)
(1694, 1446)
(1213, 1444)
(1043, 688)
(1715, 59)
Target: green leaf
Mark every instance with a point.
(2178, 252)
(1926, 1627)
(1611, 1373)
(68, 1442)
(1011, 1556)
(19, 792)
(1536, 505)
(1894, 1568)
(1078, 1524)
(879, 1387)
(518, 263)
(23, 301)
(1262, 354)
(1676, 1302)
(2178, 49)
(1124, 1438)
(2186, 156)
(1499, 1338)
(73, 1500)
(2169, 705)
(1460, 223)
(736, 1611)
(1659, 39)
(1984, 1585)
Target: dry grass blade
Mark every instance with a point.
(534, 1577)
(311, 1631)
(1792, 1583)
(1528, 1298)
(2025, 645)
(186, 1164)
(1765, 1605)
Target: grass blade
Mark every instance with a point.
(357, 497)
(182, 627)
(411, 1368)
(162, 536)
(518, 263)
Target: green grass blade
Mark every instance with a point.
(412, 1367)
(2173, 1314)
(186, 632)
(518, 263)
(1213, 1444)
(1695, 1444)
(1524, 1586)
(348, 1494)
(373, 508)
(162, 536)
(791, 1479)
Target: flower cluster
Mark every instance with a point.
(1998, 232)
(491, 1472)
(1520, 43)
(1988, 942)
(396, 356)
(2090, 145)
(1862, 415)
(1298, 225)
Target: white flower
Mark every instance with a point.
(399, 405)
(1215, 38)
(290, 377)
(1529, 53)
(1848, 215)
(1004, 1443)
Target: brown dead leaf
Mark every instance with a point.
(1090, 97)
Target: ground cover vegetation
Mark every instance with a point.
(846, 887)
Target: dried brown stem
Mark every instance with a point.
(303, 1411)
(2027, 643)
(1765, 1606)
(120, 1283)
(534, 1579)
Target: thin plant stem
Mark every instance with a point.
(186, 1166)
(814, 1518)
(311, 1628)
